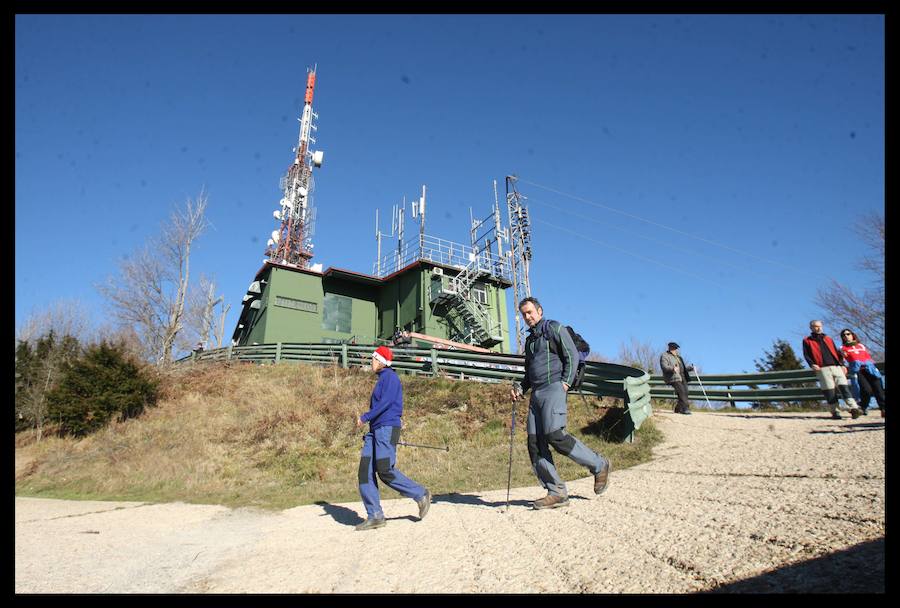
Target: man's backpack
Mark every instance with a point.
(584, 349)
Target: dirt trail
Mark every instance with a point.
(769, 502)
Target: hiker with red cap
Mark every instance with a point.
(379, 452)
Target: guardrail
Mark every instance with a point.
(720, 387)
(634, 386)
(630, 384)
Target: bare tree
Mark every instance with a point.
(65, 317)
(863, 312)
(220, 333)
(200, 318)
(150, 292)
(641, 355)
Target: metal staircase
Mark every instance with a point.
(481, 329)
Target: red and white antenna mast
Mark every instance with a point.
(291, 244)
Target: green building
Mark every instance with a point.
(431, 289)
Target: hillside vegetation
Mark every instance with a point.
(278, 436)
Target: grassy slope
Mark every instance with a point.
(279, 436)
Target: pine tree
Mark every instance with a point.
(38, 370)
(103, 384)
(781, 358)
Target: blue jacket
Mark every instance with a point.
(542, 366)
(386, 403)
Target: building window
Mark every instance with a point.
(296, 304)
(479, 294)
(336, 313)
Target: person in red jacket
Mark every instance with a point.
(865, 379)
(828, 362)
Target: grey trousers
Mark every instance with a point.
(546, 427)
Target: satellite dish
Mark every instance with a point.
(317, 157)
(270, 242)
(276, 214)
(303, 191)
(275, 236)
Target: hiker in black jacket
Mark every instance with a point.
(550, 363)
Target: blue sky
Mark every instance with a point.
(690, 177)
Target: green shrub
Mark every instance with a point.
(39, 365)
(104, 383)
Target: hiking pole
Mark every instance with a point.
(512, 430)
(703, 389)
(430, 447)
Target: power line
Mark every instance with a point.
(655, 240)
(688, 234)
(640, 257)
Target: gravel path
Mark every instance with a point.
(731, 502)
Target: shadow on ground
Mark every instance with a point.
(614, 426)
(468, 499)
(850, 428)
(349, 517)
(341, 515)
(810, 416)
(859, 569)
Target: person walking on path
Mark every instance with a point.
(379, 451)
(675, 374)
(551, 359)
(827, 361)
(865, 379)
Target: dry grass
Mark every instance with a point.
(277, 436)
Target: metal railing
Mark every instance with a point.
(443, 252)
(634, 386)
(601, 379)
(720, 387)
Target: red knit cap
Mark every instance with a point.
(383, 354)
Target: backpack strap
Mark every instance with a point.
(548, 335)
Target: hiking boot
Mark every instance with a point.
(863, 412)
(551, 502)
(371, 524)
(854, 413)
(835, 416)
(685, 412)
(424, 503)
(601, 478)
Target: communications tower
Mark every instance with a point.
(291, 244)
(520, 253)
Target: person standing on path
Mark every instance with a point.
(865, 379)
(379, 451)
(822, 356)
(550, 365)
(675, 374)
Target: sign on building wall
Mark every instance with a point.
(296, 304)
